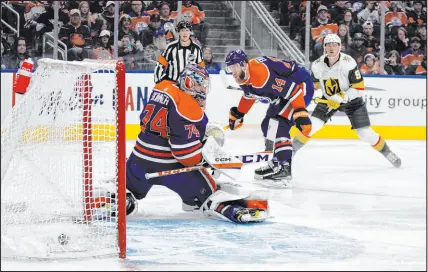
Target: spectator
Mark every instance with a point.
(357, 6)
(422, 69)
(392, 64)
(195, 39)
(293, 14)
(147, 34)
(76, 36)
(86, 15)
(3, 66)
(338, 9)
(193, 10)
(99, 25)
(320, 28)
(412, 56)
(96, 8)
(167, 17)
(124, 29)
(211, 65)
(125, 7)
(370, 65)
(165, 13)
(345, 37)
(104, 48)
(395, 18)
(372, 43)
(154, 50)
(19, 54)
(139, 18)
(152, 8)
(350, 23)
(348, 5)
(422, 34)
(45, 19)
(126, 50)
(357, 50)
(370, 13)
(401, 42)
(6, 46)
(108, 15)
(417, 16)
(33, 10)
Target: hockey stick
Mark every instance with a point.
(246, 159)
(230, 87)
(173, 172)
(223, 78)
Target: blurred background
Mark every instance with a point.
(385, 37)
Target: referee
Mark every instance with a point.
(178, 54)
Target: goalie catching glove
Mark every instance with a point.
(303, 122)
(236, 118)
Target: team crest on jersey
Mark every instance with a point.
(332, 86)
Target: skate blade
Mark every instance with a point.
(278, 184)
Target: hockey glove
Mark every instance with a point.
(236, 118)
(335, 100)
(303, 122)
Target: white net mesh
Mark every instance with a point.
(58, 158)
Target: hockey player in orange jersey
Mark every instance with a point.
(288, 88)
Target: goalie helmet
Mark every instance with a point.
(195, 81)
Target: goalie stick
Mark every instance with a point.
(246, 159)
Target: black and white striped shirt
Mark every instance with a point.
(175, 58)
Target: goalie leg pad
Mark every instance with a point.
(220, 160)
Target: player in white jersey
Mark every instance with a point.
(341, 82)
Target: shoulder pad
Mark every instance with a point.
(259, 73)
(184, 103)
(348, 62)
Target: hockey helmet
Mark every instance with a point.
(182, 25)
(332, 38)
(236, 56)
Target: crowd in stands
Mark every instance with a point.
(146, 27)
(358, 25)
(87, 30)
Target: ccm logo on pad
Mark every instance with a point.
(223, 159)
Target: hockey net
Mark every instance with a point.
(63, 163)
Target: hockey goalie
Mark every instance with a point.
(173, 135)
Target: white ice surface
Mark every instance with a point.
(349, 209)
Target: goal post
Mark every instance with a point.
(63, 161)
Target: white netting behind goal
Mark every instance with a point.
(58, 158)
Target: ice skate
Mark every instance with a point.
(275, 174)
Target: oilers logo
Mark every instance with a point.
(264, 100)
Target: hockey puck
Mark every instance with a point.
(63, 239)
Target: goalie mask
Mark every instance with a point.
(195, 81)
